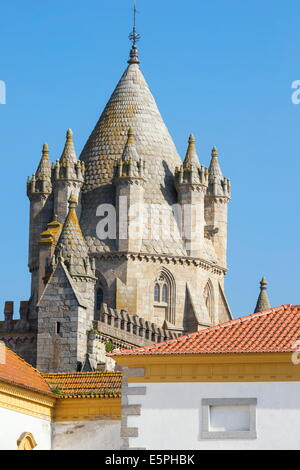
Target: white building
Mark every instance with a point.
(233, 386)
(57, 411)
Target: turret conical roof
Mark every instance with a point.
(71, 245)
(132, 106)
(263, 300)
(69, 153)
(191, 158)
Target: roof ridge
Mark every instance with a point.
(79, 374)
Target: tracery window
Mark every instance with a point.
(156, 293)
(164, 297)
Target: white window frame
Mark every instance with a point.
(208, 402)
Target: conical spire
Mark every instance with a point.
(263, 301)
(130, 153)
(69, 153)
(44, 168)
(71, 247)
(41, 180)
(191, 158)
(214, 169)
(132, 106)
(218, 185)
(71, 236)
(69, 167)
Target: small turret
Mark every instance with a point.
(41, 181)
(191, 181)
(68, 176)
(39, 191)
(218, 185)
(130, 164)
(191, 172)
(191, 158)
(129, 197)
(216, 208)
(71, 247)
(263, 300)
(68, 167)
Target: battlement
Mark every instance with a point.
(191, 176)
(19, 335)
(23, 324)
(129, 330)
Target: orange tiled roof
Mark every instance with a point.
(86, 384)
(274, 330)
(16, 371)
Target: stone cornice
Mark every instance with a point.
(164, 259)
(217, 199)
(87, 409)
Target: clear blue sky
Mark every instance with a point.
(222, 70)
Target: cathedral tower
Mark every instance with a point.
(143, 255)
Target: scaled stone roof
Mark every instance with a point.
(86, 384)
(271, 331)
(16, 371)
(131, 106)
(71, 244)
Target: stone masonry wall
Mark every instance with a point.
(62, 325)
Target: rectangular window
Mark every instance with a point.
(229, 418)
(58, 328)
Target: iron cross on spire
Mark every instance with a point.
(134, 36)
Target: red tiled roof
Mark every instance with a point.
(16, 371)
(86, 384)
(274, 330)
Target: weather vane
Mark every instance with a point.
(134, 36)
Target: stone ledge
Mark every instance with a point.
(129, 432)
(135, 390)
(131, 410)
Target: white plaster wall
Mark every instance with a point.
(13, 424)
(87, 435)
(171, 415)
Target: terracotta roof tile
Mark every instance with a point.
(274, 330)
(84, 384)
(18, 372)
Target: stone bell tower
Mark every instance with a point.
(159, 272)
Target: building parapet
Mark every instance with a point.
(127, 330)
(21, 325)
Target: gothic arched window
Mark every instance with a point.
(156, 293)
(209, 299)
(99, 298)
(164, 297)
